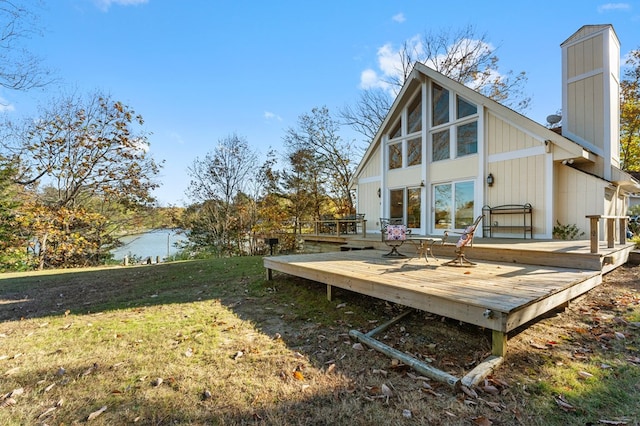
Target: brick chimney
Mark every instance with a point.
(591, 93)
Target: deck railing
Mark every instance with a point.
(610, 222)
(335, 226)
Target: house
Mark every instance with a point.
(444, 152)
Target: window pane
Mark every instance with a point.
(413, 208)
(467, 139)
(395, 156)
(440, 143)
(396, 132)
(415, 115)
(396, 204)
(465, 108)
(414, 152)
(464, 204)
(440, 105)
(442, 201)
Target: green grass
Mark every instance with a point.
(233, 348)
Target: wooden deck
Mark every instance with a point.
(498, 295)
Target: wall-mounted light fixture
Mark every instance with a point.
(379, 192)
(490, 179)
(569, 161)
(421, 183)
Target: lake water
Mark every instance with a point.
(159, 243)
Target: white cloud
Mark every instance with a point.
(177, 138)
(390, 65)
(399, 18)
(104, 5)
(5, 106)
(271, 116)
(607, 7)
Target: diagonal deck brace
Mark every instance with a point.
(474, 377)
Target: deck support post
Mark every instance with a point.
(269, 274)
(498, 343)
(329, 296)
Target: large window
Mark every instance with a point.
(414, 152)
(453, 205)
(395, 155)
(439, 105)
(440, 144)
(405, 204)
(414, 115)
(467, 139)
(460, 137)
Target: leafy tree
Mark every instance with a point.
(315, 144)
(62, 237)
(216, 182)
(87, 148)
(630, 114)
(464, 56)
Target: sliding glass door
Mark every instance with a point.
(453, 205)
(405, 205)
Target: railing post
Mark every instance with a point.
(610, 232)
(594, 231)
(622, 229)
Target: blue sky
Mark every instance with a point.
(200, 70)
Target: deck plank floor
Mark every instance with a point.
(459, 293)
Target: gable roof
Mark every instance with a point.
(421, 72)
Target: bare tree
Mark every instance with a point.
(317, 134)
(19, 68)
(217, 181)
(464, 56)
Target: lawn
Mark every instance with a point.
(213, 342)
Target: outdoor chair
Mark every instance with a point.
(466, 238)
(394, 234)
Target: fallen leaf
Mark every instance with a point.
(157, 381)
(491, 389)
(585, 375)
(563, 404)
(96, 413)
(47, 412)
(358, 346)
(8, 402)
(482, 421)
(330, 369)
(468, 391)
(15, 392)
(298, 375)
(386, 391)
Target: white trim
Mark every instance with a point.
(582, 76)
(512, 155)
(550, 178)
(370, 179)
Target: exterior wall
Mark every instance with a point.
(577, 195)
(461, 168)
(369, 180)
(521, 181)
(590, 92)
(404, 177)
(369, 204)
(504, 137)
(520, 167)
(373, 166)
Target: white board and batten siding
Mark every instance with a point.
(520, 166)
(369, 180)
